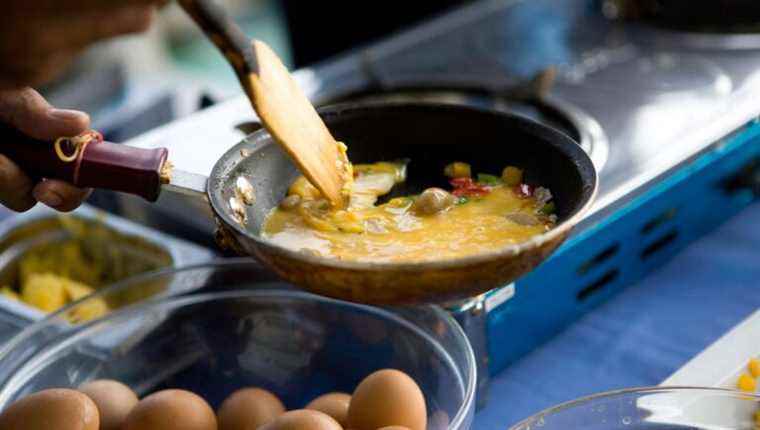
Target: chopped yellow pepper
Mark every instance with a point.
(512, 176)
(457, 170)
(754, 367)
(746, 383)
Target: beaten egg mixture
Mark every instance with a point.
(477, 215)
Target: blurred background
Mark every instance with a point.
(133, 84)
(664, 95)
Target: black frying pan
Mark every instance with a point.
(431, 135)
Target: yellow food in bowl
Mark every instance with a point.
(49, 293)
(56, 273)
(477, 215)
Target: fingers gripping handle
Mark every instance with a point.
(91, 164)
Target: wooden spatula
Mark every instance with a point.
(280, 104)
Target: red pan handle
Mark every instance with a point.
(96, 164)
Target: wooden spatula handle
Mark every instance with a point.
(224, 33)
(283, 108)
(97, 164)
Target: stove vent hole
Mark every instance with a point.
(597, 285)
(747, 178)
(659, 244)
(659, 220)
(599, 258)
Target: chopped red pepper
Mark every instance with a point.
(471, 192)
(524, 190)
(466, 187)
(465, 182)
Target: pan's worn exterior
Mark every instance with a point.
(431, 135)
(386, 284)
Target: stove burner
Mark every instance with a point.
(548, 111)
(714, 16)
(726, 24)
(594, 52)
(576, 47)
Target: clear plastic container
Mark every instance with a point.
(653, 408)
(215, 328)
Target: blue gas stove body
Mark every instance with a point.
(622, 248)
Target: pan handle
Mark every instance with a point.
(88, 162)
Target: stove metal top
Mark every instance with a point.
(644, 100)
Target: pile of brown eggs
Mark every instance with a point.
(385, 400)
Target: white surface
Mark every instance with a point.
(706, 412)
(722, 362)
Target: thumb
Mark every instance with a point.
(27, 111)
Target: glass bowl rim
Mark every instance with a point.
(468, 371)
(725, 392)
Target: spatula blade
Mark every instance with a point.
(291, 119)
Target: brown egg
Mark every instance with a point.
(333, 404)
(387, 398)
(171, 410)
(60, 409)
(393, 428)
(303, 419)
(249, 409)
(113, 399)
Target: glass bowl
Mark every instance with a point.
(652, 408)
(214, 328)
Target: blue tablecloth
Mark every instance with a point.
(645, 333)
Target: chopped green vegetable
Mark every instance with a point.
(548, 208)
(462, 200)
(488, 179)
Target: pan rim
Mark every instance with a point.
(574, 151)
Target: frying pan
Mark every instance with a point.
(430, 135)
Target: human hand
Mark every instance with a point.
(39, 39)
(28, 112)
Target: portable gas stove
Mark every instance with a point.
(670, 119)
